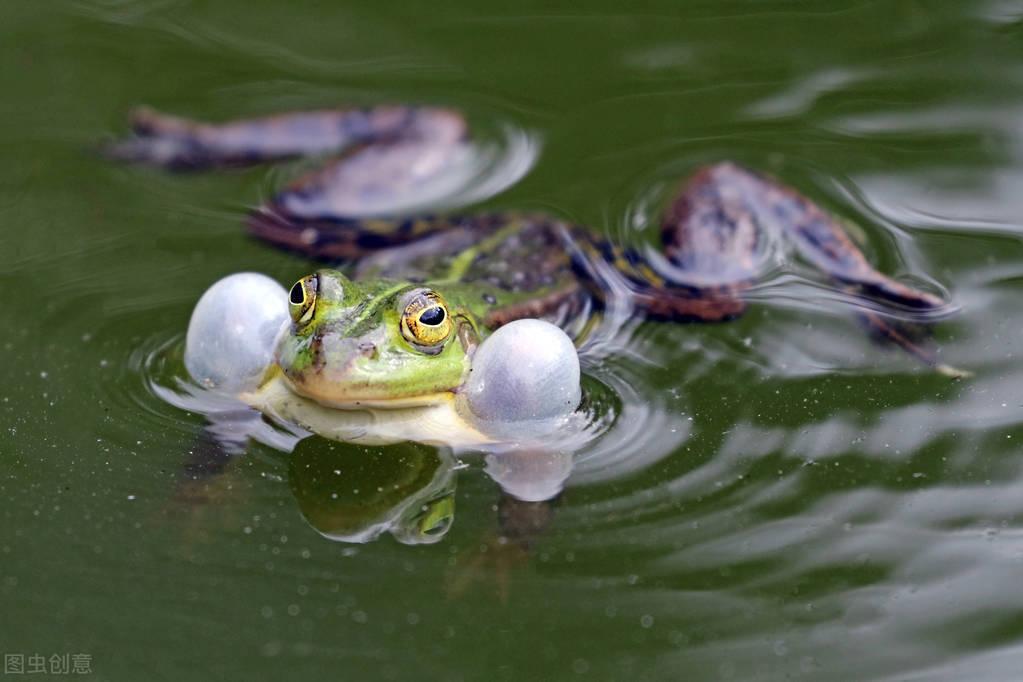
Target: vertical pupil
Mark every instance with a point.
(297, 294)
(432, 316)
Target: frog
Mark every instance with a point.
(421, 291)
(384, 332)
(381, 338)
(353, 496)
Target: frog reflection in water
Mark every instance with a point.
(353, 495)
(427, 290)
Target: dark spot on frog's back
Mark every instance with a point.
(532, 258)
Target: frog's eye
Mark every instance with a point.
(425, 321)
(302, 299)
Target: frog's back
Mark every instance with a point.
(508, 266)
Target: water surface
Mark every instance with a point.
(780, 497)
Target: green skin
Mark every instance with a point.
(350, 351)
(407, 489)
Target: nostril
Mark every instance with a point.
(368, 348)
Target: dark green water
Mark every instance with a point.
(799, 504)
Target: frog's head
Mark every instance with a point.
(377, 344)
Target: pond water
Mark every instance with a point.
(778, 498)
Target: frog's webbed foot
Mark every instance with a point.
(716, 242)
(160, 140)
(181, 144)
(911, 336)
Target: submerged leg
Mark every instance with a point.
(911, 337)
(716, 238)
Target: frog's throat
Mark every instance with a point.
(404, 402)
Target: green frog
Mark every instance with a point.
(352, 495)
(426, 289)
(377, 354)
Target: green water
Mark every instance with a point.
(799, 504)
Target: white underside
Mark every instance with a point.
(436, 424)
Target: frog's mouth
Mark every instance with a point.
(352, 388)
(344, 395)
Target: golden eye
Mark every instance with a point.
(425, 321)
(302, 299)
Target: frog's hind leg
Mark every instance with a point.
(894, 311)
(716, 237)
(819, 237)
(179, 143)
(354, 204)
(380, 159)
(647, 285)
(710, 248)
